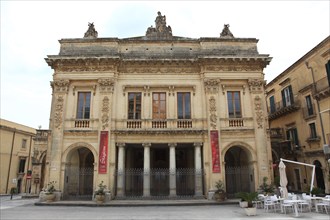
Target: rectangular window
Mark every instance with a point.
(292, 135)
(272, 104)
(234, 104)
(84, 104)
(24, 143)
(309, 105)
(184, 105)
(312, 129)
(287, 96)
(159, 105)
(134, 105)
(21, 166)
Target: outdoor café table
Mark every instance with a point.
(326, 200)
(315, 199)
(295, 205)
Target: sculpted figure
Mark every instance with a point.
(226, 33)
(91, 32)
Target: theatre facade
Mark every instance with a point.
(158, 115)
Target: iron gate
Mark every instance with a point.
(238, 179)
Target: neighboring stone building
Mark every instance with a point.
(20, 152)
(158, 115)
(299, 109)
(15, 153)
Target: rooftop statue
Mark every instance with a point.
(226, 33)
(161, 30)
(91, 32)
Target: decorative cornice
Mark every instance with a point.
(81, 133)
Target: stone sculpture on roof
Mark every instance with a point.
(226, 33)
(91, 32)
(161, 31)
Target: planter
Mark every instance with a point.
(251, 211)
(243, 204)
(219, 196)
(50, 197)
(99, 199)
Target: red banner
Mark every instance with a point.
(215, 151)
(103, 153)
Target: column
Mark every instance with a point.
(172, 169)
(146, 170)
(198, 170)
(121, 170)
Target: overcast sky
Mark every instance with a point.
(30, 31)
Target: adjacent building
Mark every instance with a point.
(158, 115)
(22, 156)
(299, 109)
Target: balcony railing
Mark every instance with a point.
(142, 124)
(279, 109)
(276, 133)
(236, 123)
(322, 88)
(78, 124)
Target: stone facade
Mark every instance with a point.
(298, 105)
(149, 115)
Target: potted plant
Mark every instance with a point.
(49, 192)
(100, 193)
(220, 193)
(249, 197)
(266, 188)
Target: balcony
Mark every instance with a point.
(322, 89)
(81, 124)
(234, 123)
(159, 125)
(276, 133)
(281, 110)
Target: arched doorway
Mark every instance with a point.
(319, 175)
(79, 174)
(239, 172)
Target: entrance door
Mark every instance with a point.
(159, 175)
(239, 175)
(79, 172)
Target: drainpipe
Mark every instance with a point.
(27, 191)
(11, 155)
(318, 104)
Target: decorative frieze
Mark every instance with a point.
(136, 69)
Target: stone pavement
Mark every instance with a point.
(26, 209)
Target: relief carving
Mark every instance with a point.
(258, 111)
(106, 85)
(60, 86)
(213, 116)
(256, 85)
(105, 112)
(212, 85)
(58, 111)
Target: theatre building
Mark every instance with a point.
(158, 115)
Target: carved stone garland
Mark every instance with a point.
(213, 116)
(58, 111)
(258, 111)
(105, 112)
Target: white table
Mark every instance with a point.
(295, 205)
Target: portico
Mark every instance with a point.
(159, 169)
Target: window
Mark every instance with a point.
(159, 105)
(234, 104)
(327, 67)
(21, 166)
(309, 105)
(84, 102)
(292, 135)
(287, 96)
(272, 104)
(24, 143)
(134, 105)
(184, 105)
(312, 129)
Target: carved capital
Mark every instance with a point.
(256, 85)
(106, 85)
(212, 85)
(60, 86)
